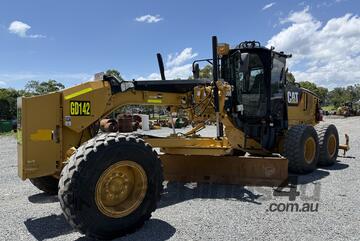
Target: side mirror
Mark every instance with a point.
(196, 71)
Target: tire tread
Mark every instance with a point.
(70, 174)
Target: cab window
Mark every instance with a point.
(277, 74)
(255, 81)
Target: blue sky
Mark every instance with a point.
(71, 40)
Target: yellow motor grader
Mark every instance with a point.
(347, 110)
(109, 183)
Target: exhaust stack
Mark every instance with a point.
(161, 66)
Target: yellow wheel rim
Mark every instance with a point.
(121, 189)
(309, 150)
(331, 145)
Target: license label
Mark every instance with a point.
(80, 108)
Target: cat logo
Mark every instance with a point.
(293, 97)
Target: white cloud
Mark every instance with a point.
(268, 5)
(178, 59)
(2, 82)
(177, 66)
(177, 72)
(19, 28)
(298, 17)
(326, 53)
(149, 18)
(329, 3)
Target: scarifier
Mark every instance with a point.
(109, 183)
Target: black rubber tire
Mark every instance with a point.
(47, 184)
(79, 177)
(294, 148)
(324, 132)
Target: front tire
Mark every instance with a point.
(111, 186)
(301, 148)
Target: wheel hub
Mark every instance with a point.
(117, 189)
(331, 145)
(309, 150)
(121, 189)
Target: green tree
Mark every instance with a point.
(5, 109)
(309, 85)
(206, 72)
(338, 96)
(353, 93)
(321, 92)
(341, 95)
(34, 87)
(8, 103)
(290, 77)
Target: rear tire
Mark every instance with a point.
(328, 144)
(47, 184)
(301, 148)
(94, 167)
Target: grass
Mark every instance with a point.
(9, 133)
(328, 108)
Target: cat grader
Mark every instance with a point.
(109, 183)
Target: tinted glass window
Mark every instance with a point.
(250, 85)
(256, 81)
(277, 73)
(239, 82)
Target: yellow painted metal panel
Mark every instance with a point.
(261, 171)
(77, 93)
(41, 135)
(154, 101)
(38, 153)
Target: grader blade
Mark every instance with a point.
(255, 171)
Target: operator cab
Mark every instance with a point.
(258, 105)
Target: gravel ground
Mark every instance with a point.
(206, 212)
